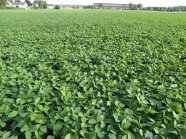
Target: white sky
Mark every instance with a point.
(145, 3)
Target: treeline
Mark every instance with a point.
(3, 2)
(168, 9)
(41, 4)
(101, 6)
(88, 7)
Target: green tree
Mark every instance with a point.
(42, 4)
(100, 5)
(57, 7)
(28, 2)
(134, 7)
(3, 2)
(163, 8)
(130, 6)
(139, 6)
(170, 9)
(35, 7)
(88, 7)
(45, 5)
(149, 8)
(183, 8)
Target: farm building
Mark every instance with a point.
(112, 5)
(35, 5)
(64, 6)
(23, 5)
(50, 7)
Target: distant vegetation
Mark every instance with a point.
(57, 7)
(41, 3)
(140, 7)
(88, 7)
(168, 9)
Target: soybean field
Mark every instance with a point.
(92, 74)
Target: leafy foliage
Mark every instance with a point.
(92, 74)
(57, 7)
(28, 2)
(3, 2)
(42, 4)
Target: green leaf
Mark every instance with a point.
(112, 136)
(168, 118)
(100, 118)
(13, 137)
(75, 136)
(126, 125)
(37, 100)
(43, 129)
(2, 124)
(157, 130)
(157, 137)
(92, 121)
(13, 114)
(6, 134)
(68, 136)
(50, 137)
(131, 136)
(175, 115)
(18, 100)
(91, 135)
(108, 103)
(57, 127)
(97, 129)
(180, 110)
(129, 111)
(152, 111)
(28, 134)
(124, 137)
(148, 135)
(141, 132)
(103, 124)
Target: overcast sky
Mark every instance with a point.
(166, 3)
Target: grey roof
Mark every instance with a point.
(34, 4)
(114, 4)
(18, 3)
